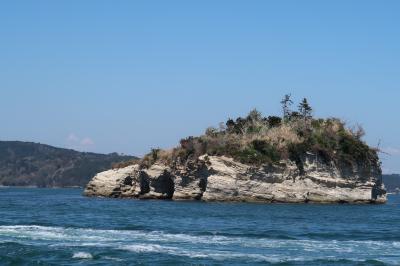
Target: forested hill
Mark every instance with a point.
(392, 182)
(34, 164)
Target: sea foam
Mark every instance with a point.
(197, 246)
(82, 255)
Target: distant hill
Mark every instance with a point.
(34, 164)
(392, 182)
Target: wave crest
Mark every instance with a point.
(213, 247)
(82, 255)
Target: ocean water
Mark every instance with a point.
(61, 227)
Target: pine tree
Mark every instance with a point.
(305, 109)
(286, 103)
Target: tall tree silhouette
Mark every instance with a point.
(305, 109)
(286, 103)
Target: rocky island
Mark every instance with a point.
(291, 159)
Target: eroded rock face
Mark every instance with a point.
(214, 178)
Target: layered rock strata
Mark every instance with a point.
(218, 178)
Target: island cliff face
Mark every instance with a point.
(218, 178)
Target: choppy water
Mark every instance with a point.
(61, 227)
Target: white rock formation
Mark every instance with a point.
(214, 178)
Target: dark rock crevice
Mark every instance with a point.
(164, 184)
(144, 183)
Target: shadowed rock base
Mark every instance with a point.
(214, 178)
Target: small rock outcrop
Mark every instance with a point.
(219, 178)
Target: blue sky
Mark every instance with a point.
(126, 76)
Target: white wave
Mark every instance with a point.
(148, 248)
(204, 246)
(222, 255)
(97, 236)
(82, 255)
(112, 258)
(102, 236)
(229, 255)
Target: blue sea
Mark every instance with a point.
(61, 227)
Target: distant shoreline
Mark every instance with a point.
(70, 187)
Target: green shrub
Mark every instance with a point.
(267, 150)
(154, 154)
(297, 153)
(260, 152)
(274, 121)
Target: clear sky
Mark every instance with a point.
(126, 76)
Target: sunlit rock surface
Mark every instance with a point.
(218, 178)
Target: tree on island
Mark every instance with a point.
(305, 109)
(286, 103)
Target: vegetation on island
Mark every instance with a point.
(259, 140)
